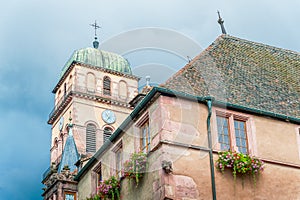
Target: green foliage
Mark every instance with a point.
(135, 167)
(239, 164)
(109, 189)
(96, 197)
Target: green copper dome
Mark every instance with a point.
(99, 58)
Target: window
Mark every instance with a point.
(123, 90)
(118, 159)
(98, 171)
(91, 138)
(106, 86)
(145, 137)
(70, 196)
(106, 134)
(298, 139)
(232, 132)
(90, 82)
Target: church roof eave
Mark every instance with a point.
(172, 93)
(63, 77)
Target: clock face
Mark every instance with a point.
(108, 116)
(61, 123)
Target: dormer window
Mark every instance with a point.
(106, 86)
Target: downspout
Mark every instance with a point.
(209, 101)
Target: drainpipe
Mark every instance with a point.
(209, 101)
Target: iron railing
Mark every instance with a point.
(86, 91)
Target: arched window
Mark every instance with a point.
(106, 134)
(90, 138)
(90, 82)
(123, 89)
(106, 86)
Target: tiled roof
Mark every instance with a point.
(70, 154)
(99, 58)
(244, 73)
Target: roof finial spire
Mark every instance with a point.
(221, 21)
(95, 43)
(147, 81)
(70, 125)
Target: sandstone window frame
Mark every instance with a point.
(91, 137)
(123, 89)
(107, 132)
(66, 193)
(233, 116)
(98, 172)
(144, 133)
(90, 82)
(298, 139)
(107, 86)
(118, 151)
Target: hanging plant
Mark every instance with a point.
(239, 164)
(135, 167)
(109, 189)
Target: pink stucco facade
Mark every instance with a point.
(179, 135)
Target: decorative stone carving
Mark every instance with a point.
(65, 175)
(167, 166)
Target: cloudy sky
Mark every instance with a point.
(37, 37)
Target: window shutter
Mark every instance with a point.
(106, 86)
(91, 138)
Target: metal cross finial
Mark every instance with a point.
(221, 22)
(219, 15)
(95, 27)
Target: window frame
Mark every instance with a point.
(118, 151)
(143, 123)
(98, 171)
(298, 139)
(105, 138)
(234, 116)
(69, 192)
(92, 138)
(106, 82)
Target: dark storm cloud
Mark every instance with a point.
(37, 38)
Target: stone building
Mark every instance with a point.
(94, 89)
(236, 95)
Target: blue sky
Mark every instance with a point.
(37, 38)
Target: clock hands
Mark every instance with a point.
(108, 116)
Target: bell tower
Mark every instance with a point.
(95, 86)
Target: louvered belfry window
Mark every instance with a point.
(106, 86)
(106, 134)
(90, 138)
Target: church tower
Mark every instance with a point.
(96, 87)
(94, 90)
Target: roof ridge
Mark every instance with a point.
(226, 36)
